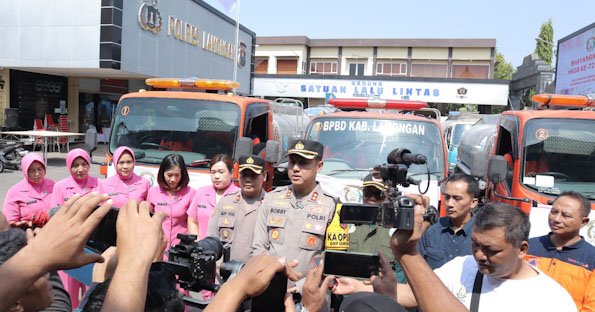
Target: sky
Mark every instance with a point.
(513, 23)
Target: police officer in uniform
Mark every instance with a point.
(235, 215)
(293, 219)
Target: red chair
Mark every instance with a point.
(38, 125)
(63, 127)
(49, 123)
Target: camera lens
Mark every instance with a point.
(211, 244)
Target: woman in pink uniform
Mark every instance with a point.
(30, 199)
(125, 185)
(173, 196)
(79, 182)
(206, 197)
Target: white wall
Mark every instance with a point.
(50, 33)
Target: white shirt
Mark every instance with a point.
(539, 293)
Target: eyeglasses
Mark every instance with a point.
(373, 192)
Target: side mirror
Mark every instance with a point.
(272, 151)
(497, 169)
(244, 146)
(91, 140)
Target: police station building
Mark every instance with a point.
(76, 58)
(437, 71)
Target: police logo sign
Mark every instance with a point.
(149, 17)
(242, 55)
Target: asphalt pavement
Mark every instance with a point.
(56, 168)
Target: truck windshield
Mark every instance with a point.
(196, 129)
(354, 145)
(457, 133)
(558, 156)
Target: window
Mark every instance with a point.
(323, 67)
(428, 70)
(391, 69)
(287, 67)
(261, 66)
(356, 69)
(470, 71)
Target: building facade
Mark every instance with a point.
(438, 71)
(76, 58)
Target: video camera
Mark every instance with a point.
(396, 211)
(195, 262)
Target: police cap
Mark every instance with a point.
(306, 148)
(369, 180)
(252, 162)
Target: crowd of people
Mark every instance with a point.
(471, 253)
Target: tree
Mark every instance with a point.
(545, 42)
(502, 69)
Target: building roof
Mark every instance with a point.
(304, 40)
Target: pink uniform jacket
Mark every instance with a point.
(66, 188)
(175, 207)
(25, 199)
(203, 205)
(121, 190)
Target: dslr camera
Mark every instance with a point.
(397, 211)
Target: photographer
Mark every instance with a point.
(369, 238)
(500, 235)
(61, 242)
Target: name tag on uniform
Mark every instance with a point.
(31, 202)
(161, 204)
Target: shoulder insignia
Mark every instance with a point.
(314, 196)
(237, 199)
(288, 193)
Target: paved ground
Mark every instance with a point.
(56, 168)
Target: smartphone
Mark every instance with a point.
(358, 214)
(357, 265)
(272, 299)
(104, 234)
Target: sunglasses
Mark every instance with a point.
(373, 192)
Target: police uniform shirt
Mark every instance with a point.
(233, 222)
(293, 229)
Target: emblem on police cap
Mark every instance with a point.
(250, 160)
(299, 145)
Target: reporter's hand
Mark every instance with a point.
(288, 302)
(161, 249)
(405, 241)
(23, 224)
(62, 239)
(348, 286)
(139, 234)
(4, 225)
(386, 283)
(254, 278)
(313, 292)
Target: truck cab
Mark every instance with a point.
(538, 154)
(197, 119)
(357, 141)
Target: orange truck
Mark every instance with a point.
(356, 141)
(198, 119)
(538, 154)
